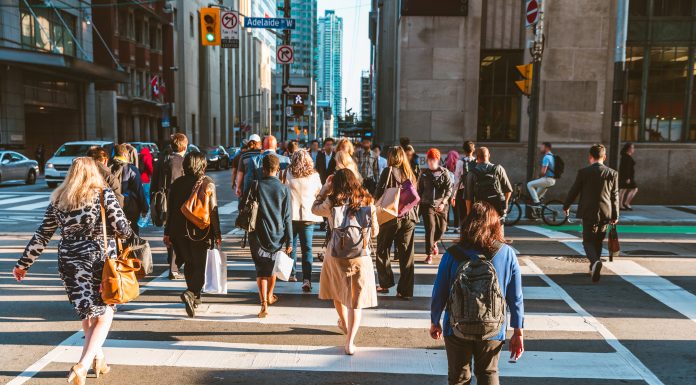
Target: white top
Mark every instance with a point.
(303, 192)
(459, 171)
(382, 164)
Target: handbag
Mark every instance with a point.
(283, 265)
(408, 197)
(119, 282)
(246, 218)
(613, 243)
(215, 281)
(196, 209)
(388, 204)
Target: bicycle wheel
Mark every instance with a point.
(552, 213)
(513, 215)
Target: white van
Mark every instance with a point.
(57, 167)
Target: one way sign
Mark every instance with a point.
(290, 89)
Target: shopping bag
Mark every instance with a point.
(388, 204)
(613, 243)
(215, 272)
(283, 265)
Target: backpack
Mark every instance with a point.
(249, 209)
(558, 166)
(467, 166)
(476, 304)
(487, 188)
(350, 231)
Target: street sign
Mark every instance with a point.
(269, 22)
(229, 29)
(285, 54)
(532, 12)
(290, 89)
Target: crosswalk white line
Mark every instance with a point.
(241, 356)
(228, 208)
(32, 206)
(21, 199)
(569, 240)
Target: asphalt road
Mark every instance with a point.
(637, 326)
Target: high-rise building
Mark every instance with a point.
(330, 41)
(365, 97)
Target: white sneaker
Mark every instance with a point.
(596, 271)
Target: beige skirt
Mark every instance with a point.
(349, 281)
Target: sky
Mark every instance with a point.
(356, 44)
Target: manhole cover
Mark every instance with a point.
(648, 252)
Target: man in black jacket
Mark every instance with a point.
(325, 163)
(598, 187)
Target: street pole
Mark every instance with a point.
(286, 76)
(537, 51)
(617, 98)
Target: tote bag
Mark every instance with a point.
(388, 204)
(613, 243)
(215, 272)
(283, 265)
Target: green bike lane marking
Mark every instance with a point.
(633, 229)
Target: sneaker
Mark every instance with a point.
(173, 275)
(596, 271)
(187, 298)
(429, 260)
(306, 286)
(292, 279)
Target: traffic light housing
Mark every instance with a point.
(210, 26)
(525, 85)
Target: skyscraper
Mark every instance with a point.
(304, 37)
(330, 42)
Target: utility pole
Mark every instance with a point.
(537, 51)
(286, 76)
(617, 97)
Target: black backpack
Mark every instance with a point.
(558, 166)
(487, 187)
(476, 304)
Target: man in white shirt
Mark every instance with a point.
(464, 164)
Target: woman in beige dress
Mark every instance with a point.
(350, 283)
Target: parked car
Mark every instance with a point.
(233, 151)
(17, 167)
(57, 166)
(218, 158)
(154, 149)
(192, 148)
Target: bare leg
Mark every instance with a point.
(262, 283)
(271, 286)
(622, 195)
(630, 195)
(342, 316)
(354, 318)
(99, 330)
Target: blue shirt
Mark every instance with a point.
(509, 277)
(252, 168)
(550, 163)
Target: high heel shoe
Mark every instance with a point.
(100, 367)
(77, 375)
(264, 309)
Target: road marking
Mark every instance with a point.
(33, 206)
(569, 240)
(621, 350)
(239, 356)
(228, 208)
(21, 199)
(657, 287)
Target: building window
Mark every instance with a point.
(191, 25)
(499, 98)
(46, 28)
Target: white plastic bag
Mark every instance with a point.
(215, 272)
(283, 265)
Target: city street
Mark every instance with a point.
(637, 326)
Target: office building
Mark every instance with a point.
(330, 52)
(365, 97)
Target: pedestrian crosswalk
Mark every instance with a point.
(36, 201)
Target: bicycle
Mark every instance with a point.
(550, 212)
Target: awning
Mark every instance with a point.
(67, 66)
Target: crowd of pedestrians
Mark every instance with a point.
(355, 195)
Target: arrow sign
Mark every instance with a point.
(285, 54)
(229, 29)
(290, 89)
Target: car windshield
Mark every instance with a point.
(74, 149)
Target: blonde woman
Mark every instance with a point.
(305, 184)
(345, 161)
(344, 144)
(75, 208)
(399, 231)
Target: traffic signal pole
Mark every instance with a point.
(537, 52)
(286, 77)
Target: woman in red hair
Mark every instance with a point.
(435, 190)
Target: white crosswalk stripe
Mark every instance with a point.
(24, 202)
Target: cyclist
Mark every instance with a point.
(538, 187)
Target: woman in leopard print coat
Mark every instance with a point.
(75, 209)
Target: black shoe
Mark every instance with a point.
(197, 302)
(403, 297)
(187, 298)
(596, 271)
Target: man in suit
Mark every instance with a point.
(598, 187)
(325, 163)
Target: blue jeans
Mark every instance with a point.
(305, 232)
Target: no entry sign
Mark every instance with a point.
(285, 54)
(532, 12)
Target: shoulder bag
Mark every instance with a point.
(248, 212)
(196, 209)
(388, 204)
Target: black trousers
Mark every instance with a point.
(485, 355)
(460, 207)
(435, 224)
(173, 261)
(593, 234)
(400, 232)
(194, 254)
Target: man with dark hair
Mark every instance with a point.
(547, 179)
(134, 201)
(314, 150)
(488, 182)
(325, 163)
(381, 161)
(368, 165)
(461, 170)
(598, 187)
(250, 168)
(102, 158)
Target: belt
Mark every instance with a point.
(92, 239)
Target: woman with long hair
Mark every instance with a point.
(398, 231)
(481, 235)
(344, 144)
(349, 282)
(345, 161)
(305, 185)
(627, 177)
(75, 208)
(189, 242)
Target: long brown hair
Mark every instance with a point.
(398, 159)
(347, 190)
(482, 228)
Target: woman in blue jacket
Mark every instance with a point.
(481, 234)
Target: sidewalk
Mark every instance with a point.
(673, 215)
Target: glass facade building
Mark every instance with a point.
(330, 52)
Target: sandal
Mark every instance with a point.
(342, 326)
(273, 300)
(264, 309)
(382, 290)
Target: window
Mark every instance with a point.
(191, 25)
(38, 33)
(139, 83)
(499, 99)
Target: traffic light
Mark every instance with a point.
(525, 85)
(210, 26)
